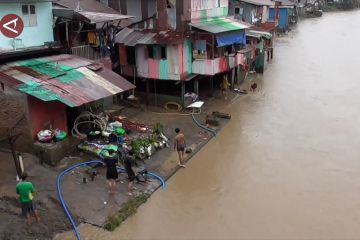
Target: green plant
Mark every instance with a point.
(128, 209)
(158, 128)
(136, 147)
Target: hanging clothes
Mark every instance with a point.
(91, 37)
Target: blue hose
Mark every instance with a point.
(163, 183)
(203, 127)
(62, 201)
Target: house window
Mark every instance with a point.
(2, 86)
(157, 52)
(163, 52)
(29, 15)
(131, 56)
(237, 11)
(151, 53)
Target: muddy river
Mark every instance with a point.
(287, 166)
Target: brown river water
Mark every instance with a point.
(287, 166)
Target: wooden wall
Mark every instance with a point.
(176, 66)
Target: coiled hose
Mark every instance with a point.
(100, 121)
(62, 201)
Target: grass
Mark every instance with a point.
(128, 209)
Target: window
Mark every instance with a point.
(163, 52)
(131, 56)
(2, 86)
(237, 10)
(150, 52)
(156, 52)
(199, 50)
(29, 15)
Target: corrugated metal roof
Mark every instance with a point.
(258, 34)
(259, 2)
(131, 37)
(96, 17)
(147, 39)
(64, 78)
(220, 25)
(86, 5)
(91, 11)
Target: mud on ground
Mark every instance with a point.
(13, 226)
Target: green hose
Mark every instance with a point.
(202, 126)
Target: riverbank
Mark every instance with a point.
(90, 202)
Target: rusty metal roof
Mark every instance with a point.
(65, 78)
(131, 37)
(171, 37)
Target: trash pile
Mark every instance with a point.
(119, 135)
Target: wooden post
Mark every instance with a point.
(147, 92)
(67, 33)
(212, 85)
(16, 160)
(232, 78)
(238, 74)
(183, 93)
(196, 86)
(213, 46)
(155, 92)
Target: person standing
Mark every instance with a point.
(179, 146)
(111, 171)
(26, 191)
(129, 163)
(225, 85)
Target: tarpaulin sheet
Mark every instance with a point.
(229, 38)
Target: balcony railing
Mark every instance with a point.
(85, 51)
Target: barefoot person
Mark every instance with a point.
(26, 191)
(111, 171)
(225, 85)
(179, 146)
(129, 163)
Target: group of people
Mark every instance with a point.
(129, 164)
(26, 189)
(112, 173)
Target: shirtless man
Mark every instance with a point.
(179, 146)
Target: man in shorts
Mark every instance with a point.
(26, 191)
(111, 171)
(129, 163)
(179, 146)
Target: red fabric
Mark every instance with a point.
(223, 65)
